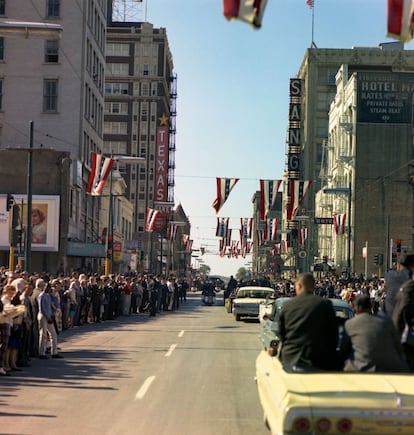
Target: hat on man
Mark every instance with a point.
(407, 259)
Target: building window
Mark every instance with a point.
(145, 90)
(117, 50)
(2, 7)
(116, 128)
(118, 69)
(53, 8)
(332, 76)
(116, 108)
(50, 95)
(116, 88)
(1, 94)
(52, 51)
(115, 147)
(1, 48)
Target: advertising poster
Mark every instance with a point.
(385, 98)
(44, 221)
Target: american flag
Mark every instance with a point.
(249, 11)
(222, 226)
(224, 187)
(246, 227)
(339, 223)
(222, 247)
(297, 192)
(234, 248)
(273, 224)
(227, 239)
(151, 218)
(100, 170)
(268, 194)
(260, 237)
(400, 21)
(303, 235)
(284, 246)
(172, 231)
(310, 3)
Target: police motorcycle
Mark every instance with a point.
(208, 294)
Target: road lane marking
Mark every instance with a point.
(145, 386)
(181, 333)
(170, 350)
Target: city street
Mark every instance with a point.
(189, 372)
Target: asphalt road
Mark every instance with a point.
(189, 372)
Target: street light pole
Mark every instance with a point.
(349, 230)
(109, 260)
(28, 238)
(109, 248)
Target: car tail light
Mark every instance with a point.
(344, 425)
(323, 425)
(302, 425)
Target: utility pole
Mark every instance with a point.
(28, 238)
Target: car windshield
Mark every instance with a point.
(343, 313)
(246, 293)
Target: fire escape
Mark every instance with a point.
(172, 132)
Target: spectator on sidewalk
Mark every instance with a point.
(46, 325)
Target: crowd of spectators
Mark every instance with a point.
(36, 308)
(329, 285)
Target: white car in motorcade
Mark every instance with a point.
(248, 299)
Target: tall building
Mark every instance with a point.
(369, 155)
(58, 83)
(340, 146)
(140, 110)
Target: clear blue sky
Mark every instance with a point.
(233, 85)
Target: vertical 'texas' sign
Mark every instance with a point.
(161, 161)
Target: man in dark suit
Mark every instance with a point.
(404, 315)
(395, 279)
(373, 344)
(308, 329)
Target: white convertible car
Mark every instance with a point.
(334, 402)
(248, 299)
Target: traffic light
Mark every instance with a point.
(109, 248)
(325, 259)
(398, 250)
(17, 238)
(16, 230)
(9, 202)
(380, 259)
(376, 259)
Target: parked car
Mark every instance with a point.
(269, 319)
(334, 402)
(248, 299)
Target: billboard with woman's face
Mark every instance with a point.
(44, 221)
